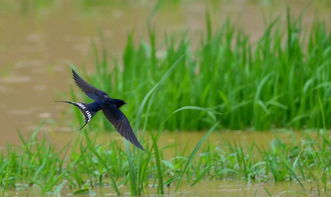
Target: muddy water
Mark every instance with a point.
(207, 188)
(37, 43)
(174, 143)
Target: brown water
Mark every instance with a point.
(208, 188)
(185, 141)
(38, 44)
(182, 143)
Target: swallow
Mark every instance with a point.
(109, 106)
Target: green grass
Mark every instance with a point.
(86, 165)
(280, 80)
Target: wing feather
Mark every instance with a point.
(121, 124)
(88, 89)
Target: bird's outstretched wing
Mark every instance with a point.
(89, 90)
(121, 124)
(84, 109)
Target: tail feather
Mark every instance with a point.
(88, 114)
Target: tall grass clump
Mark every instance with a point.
(280, 80)
(85, 165)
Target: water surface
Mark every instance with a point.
(206, 188)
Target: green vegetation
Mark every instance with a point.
(223, 80)
(85, 165)
(280, 80)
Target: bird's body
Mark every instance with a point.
(109, 106)
(95, 106)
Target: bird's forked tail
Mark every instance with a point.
(88, 114)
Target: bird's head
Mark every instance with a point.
(118, 102)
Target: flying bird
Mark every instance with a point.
(109, 106)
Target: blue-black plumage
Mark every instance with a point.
(109, 106)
